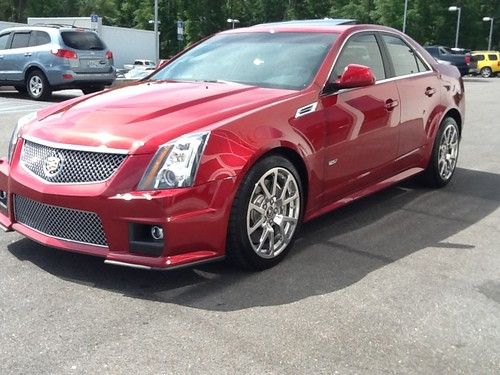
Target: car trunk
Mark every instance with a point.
(91, 51)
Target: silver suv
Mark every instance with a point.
(39, 59)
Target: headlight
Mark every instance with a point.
(15, 134)
(175, 163)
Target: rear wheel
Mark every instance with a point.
(266, 214)
(37, 86)
(444, 155)
(486, 72)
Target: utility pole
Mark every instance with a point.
(157, 38)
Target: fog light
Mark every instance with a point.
(157, 232)
(3, 199)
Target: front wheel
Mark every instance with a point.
(486, 72)
(444, 155)
(266, 214)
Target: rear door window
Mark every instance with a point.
(404, 59)
(82, 40)
(479, 57)
(20, 40)
(3, 40)
(39, 38)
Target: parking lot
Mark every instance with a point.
(405, 281)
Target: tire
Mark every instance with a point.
(37, 86)
(91, 89)
(444, 156)
(261, 228)
(485, 72)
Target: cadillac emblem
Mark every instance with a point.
(52, 165)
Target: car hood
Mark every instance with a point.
(140, 117)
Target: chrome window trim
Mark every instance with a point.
(431, 69)
(67, 146)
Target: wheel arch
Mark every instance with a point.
(295, 158)
(32, 68)
(455, 115)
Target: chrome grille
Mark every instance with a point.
(59, 222)
(64, 166)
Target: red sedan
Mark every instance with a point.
(229, 147)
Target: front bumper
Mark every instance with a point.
(194, 220)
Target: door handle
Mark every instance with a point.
(390, 104)
(429, 91)
(27, 54)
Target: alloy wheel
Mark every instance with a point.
(448, 152)
(36, 86)
(273, 212)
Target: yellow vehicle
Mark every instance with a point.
(486, 63)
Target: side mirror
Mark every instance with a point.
(354, 75)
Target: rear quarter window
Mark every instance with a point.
(39, 38)
(82, 40)
(493, 57)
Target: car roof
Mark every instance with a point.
(46, 27)
(314, 22)
(489, 52)
(328, 26)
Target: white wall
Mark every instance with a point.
(129, 44)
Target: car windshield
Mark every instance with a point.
(276, 60)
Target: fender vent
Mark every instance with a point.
(305, 110)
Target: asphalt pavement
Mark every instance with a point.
(404, 281)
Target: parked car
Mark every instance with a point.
(486, 63)
(40, 59)
(140, 64)
(228, 148)
(458, 58)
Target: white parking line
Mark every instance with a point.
(19, 105)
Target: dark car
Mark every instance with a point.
(457, 58)
(228, 148)
(39, 59)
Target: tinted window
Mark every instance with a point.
(479, 57)
(493, 57)
(83, 40)
(20, 40)
(404, 59)
(3, 40)
(363, 50)
(39, 38)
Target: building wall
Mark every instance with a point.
(129, 44)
